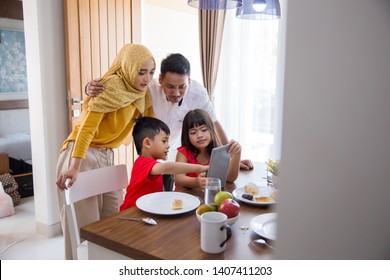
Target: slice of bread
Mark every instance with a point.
(251, 189)
(177, 204)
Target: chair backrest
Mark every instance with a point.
(88, 184)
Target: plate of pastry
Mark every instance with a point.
(256, 195)
(167, 203)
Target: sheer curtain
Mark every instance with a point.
(245, 95)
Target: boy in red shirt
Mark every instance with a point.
(151, 138)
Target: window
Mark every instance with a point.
(245, 94)
(171, 27)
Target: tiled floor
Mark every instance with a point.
(19, 239)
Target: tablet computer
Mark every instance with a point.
(219, 163)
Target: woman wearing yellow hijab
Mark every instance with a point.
(106, 123)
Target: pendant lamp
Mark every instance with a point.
(215, 4)
(259, 9)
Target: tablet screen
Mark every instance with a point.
(219, 163)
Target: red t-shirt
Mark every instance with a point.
(191, 159)
(141, 182)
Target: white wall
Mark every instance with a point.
(44, 34)
(336, 133)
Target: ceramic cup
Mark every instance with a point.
(214, 232)
(213, 186)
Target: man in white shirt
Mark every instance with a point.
(174, 94)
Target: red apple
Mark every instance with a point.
(230, 208)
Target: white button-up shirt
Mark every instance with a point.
(173, 114)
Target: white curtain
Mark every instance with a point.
(248, 90)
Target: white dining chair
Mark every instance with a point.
(91, 183)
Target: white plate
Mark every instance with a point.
(265, 225)
(161, 203)
(263, 191)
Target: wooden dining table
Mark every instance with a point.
(177, 237)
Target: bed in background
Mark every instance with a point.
(15, 142)
(17, 146)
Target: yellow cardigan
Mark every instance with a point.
(106, 130)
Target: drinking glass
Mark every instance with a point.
(213, 186)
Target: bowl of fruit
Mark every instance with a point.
(224, 203)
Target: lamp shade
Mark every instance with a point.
(215, 4)
(250, 9)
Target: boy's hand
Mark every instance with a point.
(203, 168)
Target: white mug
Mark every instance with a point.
(214, 232)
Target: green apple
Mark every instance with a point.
(221, 196)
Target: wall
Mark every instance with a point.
(335, 149)
(44, 35)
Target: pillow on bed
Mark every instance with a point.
(17, 145)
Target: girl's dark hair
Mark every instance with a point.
(147, 127)
(193, 119)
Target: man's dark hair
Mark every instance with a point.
(175, 63)
(147, 127)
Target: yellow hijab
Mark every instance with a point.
(118, 81)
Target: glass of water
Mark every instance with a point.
(213, 186)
